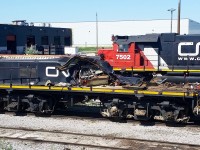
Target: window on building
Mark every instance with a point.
(57, 40)
(44, 40)
(11, 44)
(67, 41)
(30, 41)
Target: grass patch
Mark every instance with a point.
(87, 49)
(5, 145)
(91, 49)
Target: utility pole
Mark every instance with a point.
(171, 10)
(179, 18)
(97, 36)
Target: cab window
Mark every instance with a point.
(123, 48)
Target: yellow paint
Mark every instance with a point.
(20, 87)
(148, 92)
(80, 89)
(178, 94)
(180, 70)
(5, 86)
(40, 87)
(117, 69)
(164, 70)
(124, 91)
(59, 88)
(102, 90)
(174, 94)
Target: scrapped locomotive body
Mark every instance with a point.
(176, 57)
(59, 70)
(30, 69)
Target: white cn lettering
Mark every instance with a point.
(196, 53)
(66, 74)
(56, 74)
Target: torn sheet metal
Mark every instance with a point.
(92, 71)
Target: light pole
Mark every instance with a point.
(171, 10)
(97, 30)
(179, 18)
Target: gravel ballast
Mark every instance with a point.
(186, 135)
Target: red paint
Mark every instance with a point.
(134, 58)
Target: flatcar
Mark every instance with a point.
(41, 85)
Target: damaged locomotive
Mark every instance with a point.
(61, 70)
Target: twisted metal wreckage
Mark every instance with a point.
(93, 71)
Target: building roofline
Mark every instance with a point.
(115, 21)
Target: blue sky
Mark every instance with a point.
(85, 10)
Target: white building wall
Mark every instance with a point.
(84, 33)
(194, 27)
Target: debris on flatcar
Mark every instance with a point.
(92, 71)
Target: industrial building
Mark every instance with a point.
(93, 33)
(16, 37)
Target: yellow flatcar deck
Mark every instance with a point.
(179, 92)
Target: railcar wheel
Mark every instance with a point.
(40, 105)
(2, 110)
(114, 110)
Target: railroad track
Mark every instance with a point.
(88, 140)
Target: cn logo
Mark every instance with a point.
(180, 45)
(55, 72)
